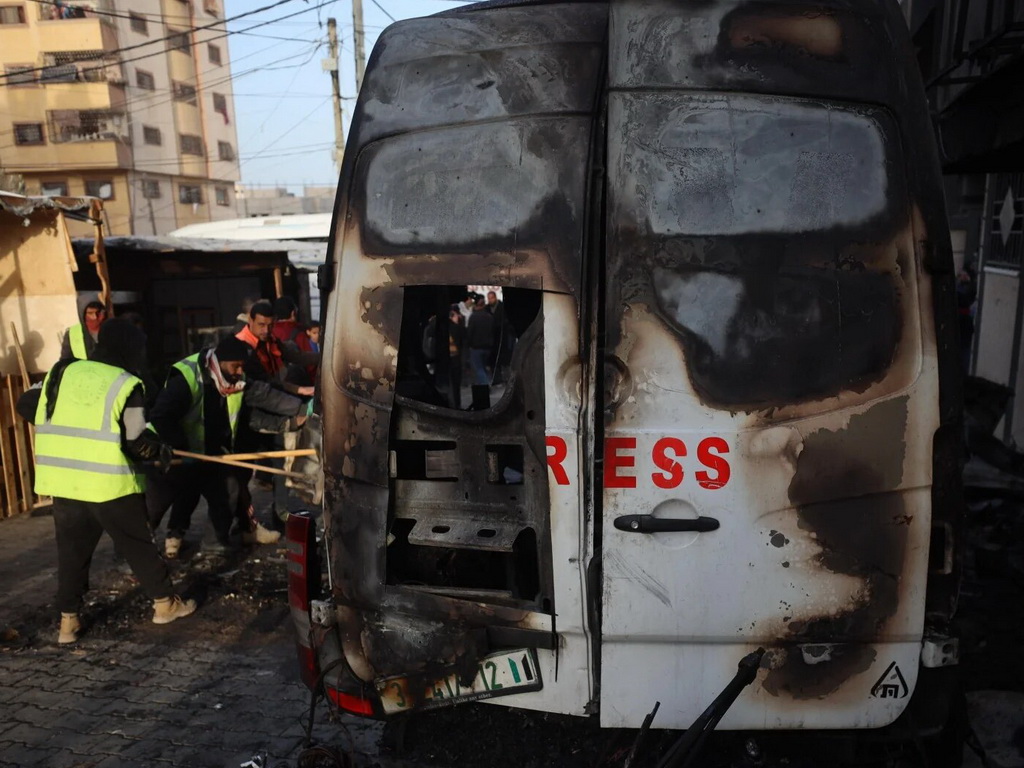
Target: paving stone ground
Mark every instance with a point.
(191, 693)
(221, 688)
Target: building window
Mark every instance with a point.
(151, 135)
(191, 145)
(178, 41)
(214, 52)
(138, 23)
(101, 188)
(184, 92)
(190, 193)
(12, 14)
(150, 189)
(221, 194)
(225, 151)
(20, 75)
(27, 134)
(53, 188)
(220, 106)
(145, 80)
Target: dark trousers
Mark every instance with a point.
(79, 525)
(180, 490)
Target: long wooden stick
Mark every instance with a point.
(229, 462)
(20, 449)
(7, 460)
(270, 454)
(24, 377)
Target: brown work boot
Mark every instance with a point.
(261, 535)
(70, 626)
(168, 609)
(172, 546)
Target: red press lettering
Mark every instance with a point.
(672, 471)
(713, 461)
(557, 450)
(613, 461)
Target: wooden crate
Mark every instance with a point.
(16, 452)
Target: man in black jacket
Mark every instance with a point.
(199, 410)
(480, 338)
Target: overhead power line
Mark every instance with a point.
(218, 23)
(383, 9)
(161, 99)
(207, 40)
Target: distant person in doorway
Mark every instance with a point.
(480, 339)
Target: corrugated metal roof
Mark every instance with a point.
(20, 205)
(304, 255)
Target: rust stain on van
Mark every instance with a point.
(835, 471)
(807, 31)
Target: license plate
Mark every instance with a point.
(496, 675)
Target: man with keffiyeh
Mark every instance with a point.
(199, 410)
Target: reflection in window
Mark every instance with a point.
(708, 165)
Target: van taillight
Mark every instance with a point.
(349, 703)
(303, 586)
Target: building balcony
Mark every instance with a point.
(81, 67)
(70, 157)
(91, 32)
(66, 126)
(79, 10)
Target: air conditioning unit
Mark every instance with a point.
(115, 77)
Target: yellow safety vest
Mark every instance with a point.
(195, 424)
(76, 335)
(78, 450)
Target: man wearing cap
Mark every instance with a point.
(199, 410)
(90, 430)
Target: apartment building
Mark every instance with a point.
(125, 100)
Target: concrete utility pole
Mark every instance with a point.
(359, 38)
(331, 66)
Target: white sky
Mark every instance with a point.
(284, 116)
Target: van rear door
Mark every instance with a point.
(467, 165)
(767, 463)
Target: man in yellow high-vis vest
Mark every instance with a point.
(80, 340)
(199, 410)
(90, 430)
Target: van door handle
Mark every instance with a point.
(650, 524)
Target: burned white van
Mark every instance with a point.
(729, 420)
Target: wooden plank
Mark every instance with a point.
(26, 436)
(25, 382)
(22, 453)
(7, 457)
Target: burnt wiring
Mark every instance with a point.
(314, 754)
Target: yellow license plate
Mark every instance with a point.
(498, 674)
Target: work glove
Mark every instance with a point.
(165, 457)
(149, 447)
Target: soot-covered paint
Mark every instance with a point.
(843, 493)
